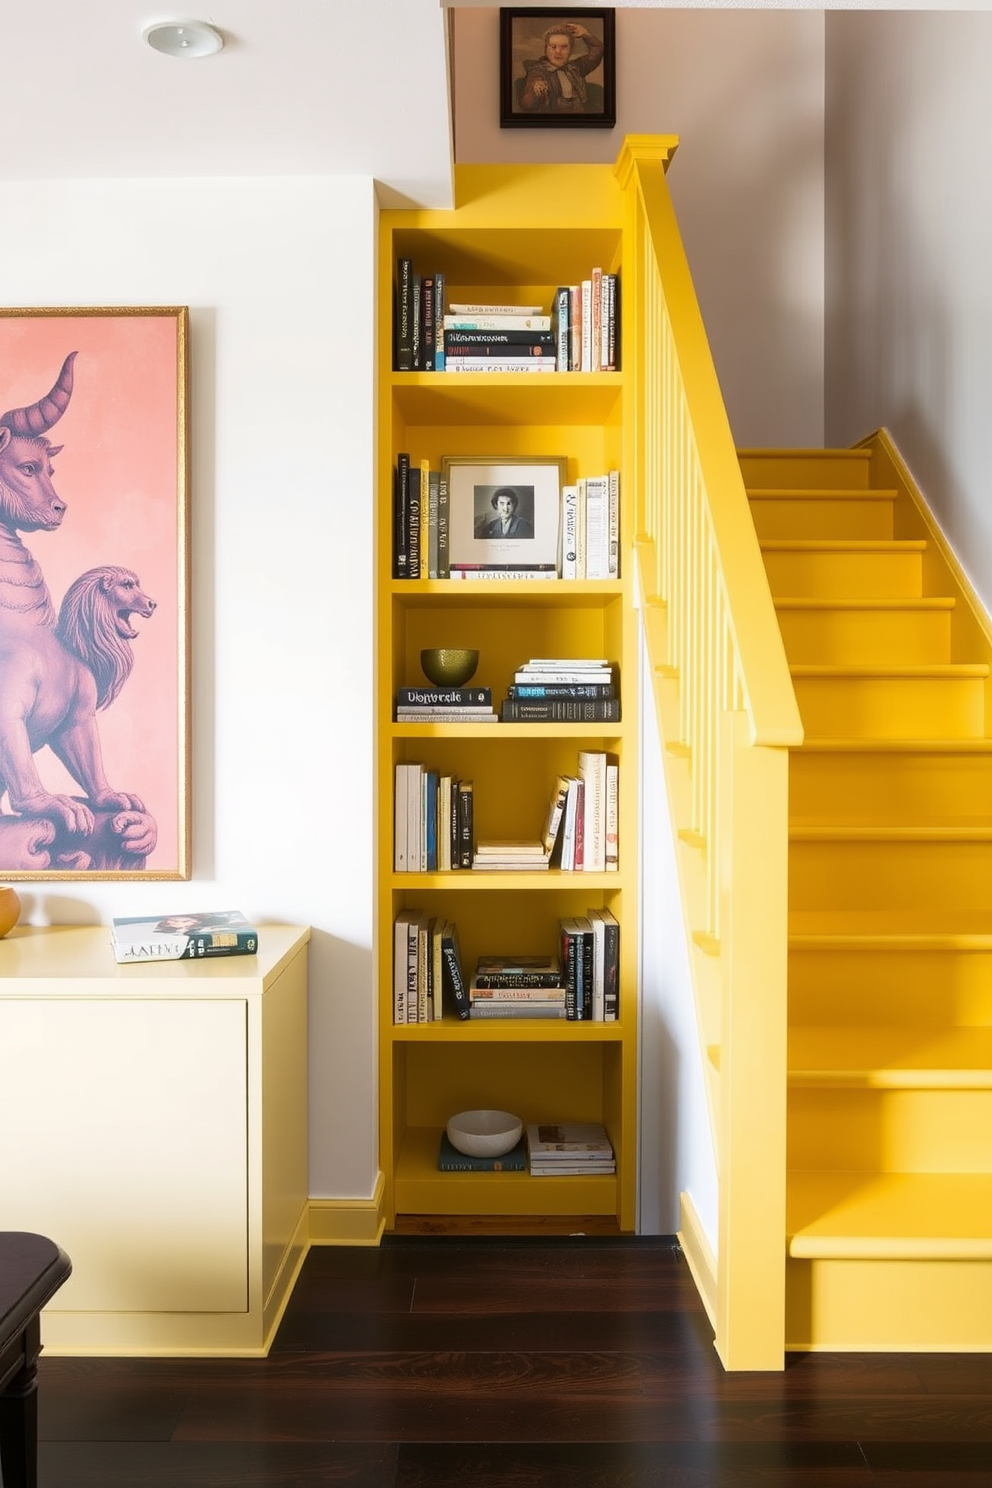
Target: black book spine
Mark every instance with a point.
(456, 982)
(401, 518)
(569, 966)
(537, 692)
(428, 312)
(560, 710)
(404, 315)
(413, 504)
(491, 981)
(586, 953)
(466, 824)
(502, 340)
(611, 973)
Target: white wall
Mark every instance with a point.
(279, 277)
(909, 245)
(744, 91)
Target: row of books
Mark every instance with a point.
(588, 538)
(580, 983)
(563, 690)
(434, 823)
(580, 332)
(558, 1149)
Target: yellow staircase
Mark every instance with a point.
(889, 1093)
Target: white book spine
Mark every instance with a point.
(399, 821)
(580, 532)
(592, 770)
(569, 532)
(586, 364)
(612, 817)
(614, 525)
(597, 527)
(596, 296)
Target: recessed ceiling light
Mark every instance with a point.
(183, 38)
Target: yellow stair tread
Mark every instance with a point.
(889, 1216)
(857, 745)
(842, 544)
(927, 603)
(906, 1057)
(820, 493)
(902, 671)
(978, 830)
(890, 929)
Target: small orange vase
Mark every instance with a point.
(10, 910)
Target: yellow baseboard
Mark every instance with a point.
(699, 1255)
(348, 1221)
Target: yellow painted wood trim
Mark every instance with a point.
(699, 1255)
(349, 1221)
(644, 147)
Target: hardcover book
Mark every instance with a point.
(569, 1141)
(183, 937)
(450, 1160)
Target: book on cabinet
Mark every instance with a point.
(543, 1066)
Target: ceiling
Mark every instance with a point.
(302, 87)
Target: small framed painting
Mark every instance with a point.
(504, 514)
(94, 751)
(557, 69)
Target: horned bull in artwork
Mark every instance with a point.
(57, 672)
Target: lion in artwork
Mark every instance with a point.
(95, 625)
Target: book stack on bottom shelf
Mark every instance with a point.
(569, 1149)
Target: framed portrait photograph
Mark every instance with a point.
(94, 668)
(557, 69)
(504, 513)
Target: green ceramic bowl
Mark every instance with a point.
(449, 666)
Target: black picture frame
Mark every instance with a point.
(525, 65)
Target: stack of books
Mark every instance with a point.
(498, 338)
(581, 832)
(517, 987)
(445, 704)
(510, 856)
(563, 689)
(569, 1148)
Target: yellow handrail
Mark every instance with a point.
(727, 717)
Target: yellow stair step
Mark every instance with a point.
(792, 512)
(805, 467)
(837, 569)
(891, 780)
(889, 1216)
(925, 702)
(906, 1057)
(900, 631)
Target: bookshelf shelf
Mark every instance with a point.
(543, 1070)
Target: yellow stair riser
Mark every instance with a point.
(851, 985)
(857, 515)
(880, 707)
(909, 875)
(865, 636)
(889, 1306)
(816, 470)
(890, 787)
(833, 573)
(890, 1131)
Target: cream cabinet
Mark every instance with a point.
(154, 1123)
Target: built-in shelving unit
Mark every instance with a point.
(517, 236)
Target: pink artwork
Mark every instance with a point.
(93, 583)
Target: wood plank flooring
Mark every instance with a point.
(552, 1362)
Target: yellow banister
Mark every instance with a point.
(727, 716)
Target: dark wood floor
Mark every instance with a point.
(503, 1363)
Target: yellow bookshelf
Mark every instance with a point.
(516, 235)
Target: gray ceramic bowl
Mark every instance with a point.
(484, 1133)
